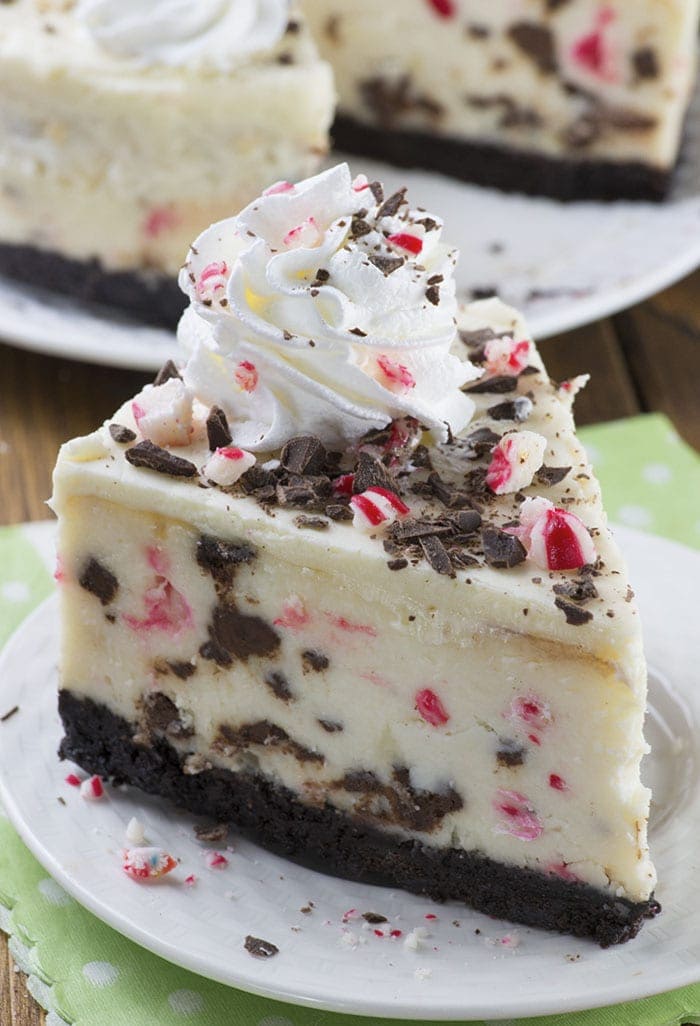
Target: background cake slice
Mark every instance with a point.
(577, 99)
(125, 131)
(411, 657)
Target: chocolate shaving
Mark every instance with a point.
(551, 475)
(304, 454)
(311, 523)
(221, 558)
(502, 550)
(152, 457)
(453, 498)
(262, 732)
(498, 384)
(377, 190)
(359, 227)
(9, 714)
(313, 660)
(510, 753)
(374, 918)
(391, 205)
(432, 294)
(574, 614)
(279, 686)
(481, 443)
(99, 581)
(330, 726)
(216, 833)
(166, 372)
(370, 473)
(437, 555)
(397, 564)
(122, 434)
(537, 42)
(386, 264)
(218, 433)
(512, 409)
(182, 670)
(259, 948)
(579, 589)
(338, 512)
(295, 495)
(413, 530)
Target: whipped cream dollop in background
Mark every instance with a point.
(324, 308)
(214, 33)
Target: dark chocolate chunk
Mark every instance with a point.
(336, 511)
(502, 550)
(304, 454)
(537, 42)
(331, 726)
(243, 636)
(122, 434)
(578, 589)
(510, 752)
(478, 339)
(374, 918)
(432, 294)
(260, 948)
(452, 497)
(296, 494)
(221, 558)
(359, 227)
(551, 475)
(462, 560)
(152, 457)
(99, 581)
(183, 670)
(437, 555)
(466, 521)
(161, 713)
(518, 409)
(391, 205)
(397, 564)
(574, 614)
(645, 62)
(311, 523)
(313, 660)
(377, 190)
(216, 833)
(481, 442)
(279, 686)
(498, 384)
(218, 433)
(255, 479)
(412, 529)
(386, 264)
(370, 473)
(166, 372)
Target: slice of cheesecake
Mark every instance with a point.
(577, 99)
(400, 644)
(125, 129)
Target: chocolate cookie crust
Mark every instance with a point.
(509, 170)
(331, 841)
(148, 297)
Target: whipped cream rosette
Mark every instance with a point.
(216, 33)
(326, 308)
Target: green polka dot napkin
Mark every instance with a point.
(86, 974)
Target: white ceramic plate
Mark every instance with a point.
(563, 265)
(458, 973)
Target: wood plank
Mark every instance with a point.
(661, 343)
(17, 1007)
(595, 350)
(43, 402)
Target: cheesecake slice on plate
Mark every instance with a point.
(344, 579)
(575, 99)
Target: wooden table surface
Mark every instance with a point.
(645, 359)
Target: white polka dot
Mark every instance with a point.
(15, 591)
(635, 516)
(186, 1002)
(100, 974)
(275, 1020)
(657, 473)
(53, 892)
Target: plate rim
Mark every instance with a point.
(448, 1010)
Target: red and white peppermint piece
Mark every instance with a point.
(506, 356)
(163, 413)
(517, 816)
(246, 375)
(294, 614)
(92, 789)
(306, 234)
(515, 461)
(534, 712)
(147, 863)
(227, 464)
(404, 240)
(444, 8)
(360, 183)
(211, 283)
(555, 539)
(73, 780)
(215, 860)
(278, 187)
(376, 508)
(396, 377)
(343, 485)
(594, 52)
(570, 388)
(433, 712)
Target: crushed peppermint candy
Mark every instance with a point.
(515, 461)
(215, 860)
(433, 712)
(397, 377)
(555, 539)
(163, 413)
(517, 815)
(246, 375)
(227, 464)
(307, 235)
(377, 508)
(147, 863)
(414, 940)
(73, 780)
(506, 356)
(211, 283)
(278, 187)
(404, 240)
(572, 386)
(92, 789)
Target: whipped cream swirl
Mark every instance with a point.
(214, 33)
(324, 308)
